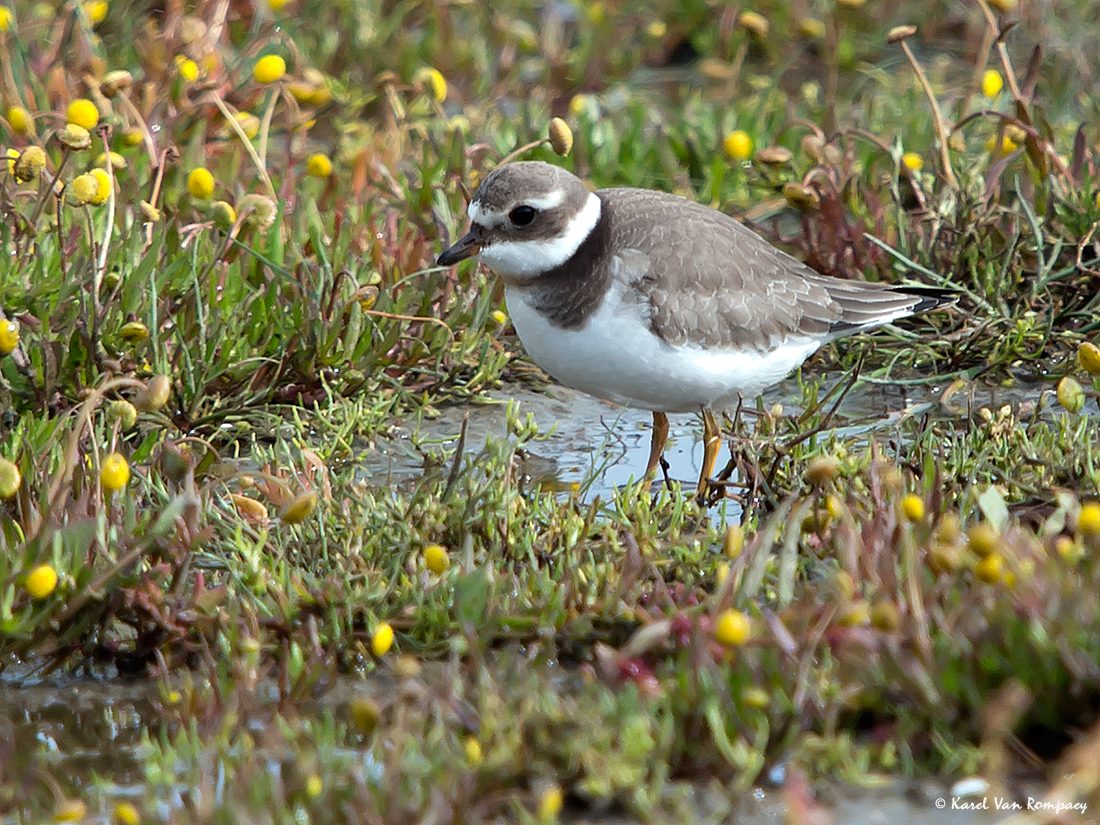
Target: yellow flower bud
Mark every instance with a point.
(269, 68)
(435, 558)
(319, 165)
(732, 628)
(115, 473)
(912, 161)
(10, 479)
(9, 336)
(82, 112)
(1071, 395)
(382, 640)
(20, 120)
(200, 183)
(41, 581)
(913, 507)
(299, 508)
(738, 145)
(992, 83)
(1088, 356)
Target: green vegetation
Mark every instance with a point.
(219, 224)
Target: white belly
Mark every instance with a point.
(615, 356)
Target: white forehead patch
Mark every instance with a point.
(483, 217)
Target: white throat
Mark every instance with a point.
(522, 261)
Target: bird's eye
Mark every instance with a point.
(522, 215)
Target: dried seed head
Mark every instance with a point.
(1070, 394)
(258, 212)
(154, 394)
(899, 33)
(74, 137)
(123, 412)
(800, 196)
(115, 82)
(561, 136)
(29, 164)
(773, 155)
(755, 24)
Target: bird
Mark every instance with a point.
(657, 302)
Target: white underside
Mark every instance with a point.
(616, 357)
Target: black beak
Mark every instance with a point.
(465, 247)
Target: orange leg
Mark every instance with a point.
(712, 442)
(656, 446)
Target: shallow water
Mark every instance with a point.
(600, 447)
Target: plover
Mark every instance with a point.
(656, 302)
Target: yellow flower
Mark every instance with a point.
(269, 68)
(579, 104)
(738, 145)
(1007, 145)
(912, 161)
(992, 83)
(732, 628)
(82, 112)
(125, 812)
(187, 68)
(132, 136)
(117, 161)
(437, 83)
(473, 750)
(435, 558)
(990, 569)
(6, 18)
(754, 23)
(277, 5)
(103, 186)
(20, 120)
(200, 183)
(499, 316)
(913, 507)
(224, 214)
(314, 786)
(319, 165)
(10, 479)
(249, 123)
(9, 336)
(12, 155)
(382, 640)
(1088, 520)
(96, 11)
(734, 542)
(70, 810)
(1088, 356)
(550, 802)
(1070, 394)
(299, 508)
(115, 474)
(41, 581)
(81, 189)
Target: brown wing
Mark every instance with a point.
(710, 281)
